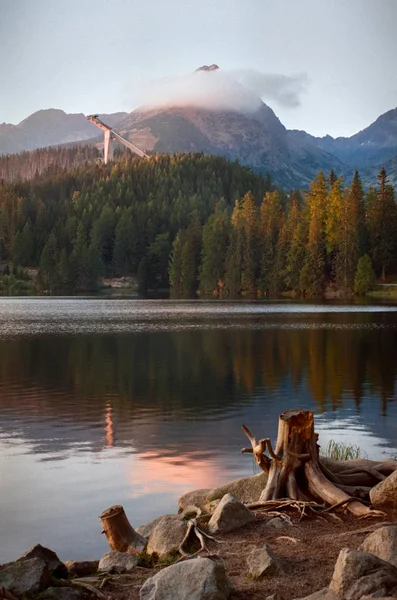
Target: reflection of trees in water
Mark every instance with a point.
(171, 371)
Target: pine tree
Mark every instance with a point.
(382, 222)
(250, 258)
(297, 233)
(235, 252)
(365, 278)
(216, 234)
(270, 215)
(48, 270)
(312, 276)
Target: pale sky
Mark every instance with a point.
(96, 56)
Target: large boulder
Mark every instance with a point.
(28, 577)
(117, 562)
(263, 561)
(229, 514)
(384, 494)
(57, 568)
(81, 568)
(164, 534)
(194, 579)
(246, 489)
(358, 574)
(382, 543)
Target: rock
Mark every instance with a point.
(62, 593)
(82, 568)
(263, 561)
(146, 530)
(165, 534)
(29, 576)
(194, 579)
(324, 594)
(382, 543)
(358, 574)
(385, 492)
(274, 597)
(229, 514)
(277, 523)
(56, 567)
(117, 562)
(247, 489)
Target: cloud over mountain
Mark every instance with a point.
(217, 89)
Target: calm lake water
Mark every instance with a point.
(137, 401)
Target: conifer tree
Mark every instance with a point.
(250, 259)
(382, 221)
(215, 242)
(235, 252)
(270, 214)
(365, 278)
(312, 276)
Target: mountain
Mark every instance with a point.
(253, 134)
(257, 139)
(49, 128)
(372, 146)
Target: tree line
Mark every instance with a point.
(197, 223)
(334, 235)
(78, 225)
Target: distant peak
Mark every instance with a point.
(213, 67)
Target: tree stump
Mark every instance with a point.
(296, 471)
(119, 533)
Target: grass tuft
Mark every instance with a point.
(342, 451)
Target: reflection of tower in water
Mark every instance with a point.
(109, 426)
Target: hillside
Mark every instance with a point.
(49, 128)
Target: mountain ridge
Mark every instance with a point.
(257, 139)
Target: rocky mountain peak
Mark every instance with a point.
(212, 67)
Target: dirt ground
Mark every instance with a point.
(309, 547)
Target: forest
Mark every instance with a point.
(194, 224)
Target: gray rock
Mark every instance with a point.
(81, 568)
(358, 574)
(263, 561)
(385, 492)
(229, 514)
(165, 534)
(324, 594)
(29, 576)
(382, 543)
(277, 523)
(117, 562)
(62, 593)
(246, 489)
(194, 579)
(56, 567)
(138, 545)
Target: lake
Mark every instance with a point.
(136, 402)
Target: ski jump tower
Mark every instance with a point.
(109, 135)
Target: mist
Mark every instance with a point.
(241, 90)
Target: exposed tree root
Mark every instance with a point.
(297, 472)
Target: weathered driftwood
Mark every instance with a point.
(296, 471)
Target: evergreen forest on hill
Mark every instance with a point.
(194, 223)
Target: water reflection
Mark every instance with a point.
(136, 403)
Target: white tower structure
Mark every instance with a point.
(110, 135)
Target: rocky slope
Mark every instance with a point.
(258, 140)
